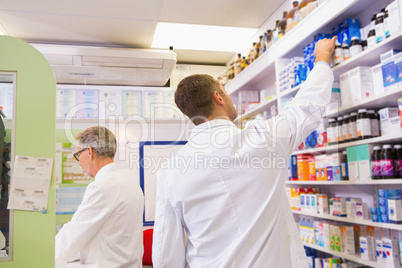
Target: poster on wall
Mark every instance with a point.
(152, 155)
(30, 183)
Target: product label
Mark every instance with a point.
(338, 56)
(375, 127)
(352, 130)
(330, 134)
(345, 132)
(345, 172)
(387, 167)
(371, 41)
(379, 32)
(354, 50)
(338, 133)
(376, 168)
(346, 54)
(363, 127)
(399, 167)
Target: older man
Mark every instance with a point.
(106, 231)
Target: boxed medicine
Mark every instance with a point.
(388, 68)
(390, 256)
(367, 248)
(336, 166)
(378, 249)
(356, 85)
(400, 111)
(322, 204)
(395, 210)
(348, 240)
(389, 120)
(378, 85)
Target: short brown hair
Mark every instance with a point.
(194, 96)
(101, 139)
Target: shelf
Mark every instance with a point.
(261, 107)
(352, 221)
(393, 137)
(370, 57)
(386, 99)
(301, 34)
(354, 258)
(290, 91)
(366, 182)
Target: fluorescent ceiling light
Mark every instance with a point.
(201, 37)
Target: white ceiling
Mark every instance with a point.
(128, 23)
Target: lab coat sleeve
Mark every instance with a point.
(88, 219)
(302, 114)
(168, 239)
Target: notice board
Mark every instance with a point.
(152, 155)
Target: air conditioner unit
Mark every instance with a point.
(108, 65)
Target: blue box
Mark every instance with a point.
(374, 217)
(398, 67)
(350, 23)
(383, 209)
(383, 218)
(293, 167)
(300, 74)
(389, 193)
(320, 36)
(374, 210)
(382, 202)
(336, 173)
(311, 140)
(388, 67)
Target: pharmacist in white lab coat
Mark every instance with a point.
(106, 231)
(225, 188)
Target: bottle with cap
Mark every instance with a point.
(353, 127)
(379, 27)
(275, 33)
(355, 46)
(376, 163)
(339, 134)
(345, 128)
(237, 66)
(338, 53)
(364, 45)
(398, 160)
(258, 50)
(243, 63)
(363, 125)
(344, 166)
(387, 162)
(282, 23)
(269, 39)
(375, 124)
(345, 51)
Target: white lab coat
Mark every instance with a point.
(225, 189)
(106, 231)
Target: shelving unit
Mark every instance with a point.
(264, 73)
(257, 110)
(394, 137)
(355, 258)
(350, 220)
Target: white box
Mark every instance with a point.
(395, 210)
(378, 248)
(322, 204)
(303, 202)
(362, 211)
(390, 255)
(367, 248)
(389, 120)
(378, 85)
(356, 85)
(394, 21)
(348, 240)
(327, 241)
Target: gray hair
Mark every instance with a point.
(102, 140)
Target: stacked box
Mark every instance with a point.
(367, 248)
(389, 120)
(388, 67)
(356, 85)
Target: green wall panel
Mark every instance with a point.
(33, 233)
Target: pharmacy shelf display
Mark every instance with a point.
(354, 258)
(264, 72)
(350, 220)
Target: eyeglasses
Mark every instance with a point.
(77, 154)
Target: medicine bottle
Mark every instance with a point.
(243, 64)
(375, 124)
(258, 50)
(339, 134)
(387, 162)
(363, 125)
(345, 51)
(371, 38)
(345, 128)
(376, 163)
(269, 39)
(344, 166)
(379, 27)
(353, 127)
(364, 45)
(355, 46)
(338, 53)
(331, 138)
(398, 160)
(275, 33)
(282, 23)
(293, 17)
(237, 66)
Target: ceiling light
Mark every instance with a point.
(201, 37)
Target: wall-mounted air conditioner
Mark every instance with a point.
(109, 65)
